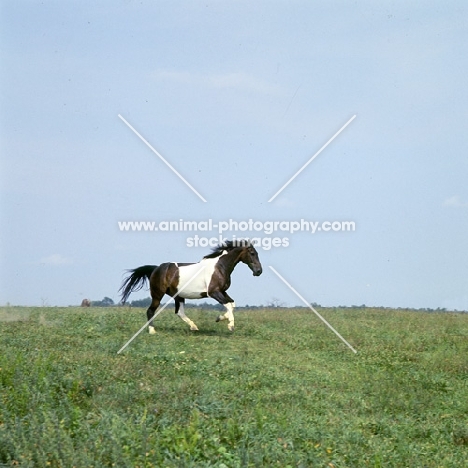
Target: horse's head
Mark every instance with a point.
(249, 256)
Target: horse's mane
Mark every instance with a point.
(227, 245)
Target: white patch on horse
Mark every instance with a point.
(200, 284)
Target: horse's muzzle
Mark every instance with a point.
(257, 272)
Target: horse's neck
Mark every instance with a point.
(229, 261)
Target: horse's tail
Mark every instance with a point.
(135, 280)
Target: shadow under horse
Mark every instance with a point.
(211, 277)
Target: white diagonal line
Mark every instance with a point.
(313, 310)
(162, 158)
(312, 158)
(159, 311)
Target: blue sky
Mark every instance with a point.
(237, 96)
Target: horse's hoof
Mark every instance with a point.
(231, 328)
(193, 328)
(152, 331)
(218, 318)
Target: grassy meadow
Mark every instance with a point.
(282, 390)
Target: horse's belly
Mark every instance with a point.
(190, 294)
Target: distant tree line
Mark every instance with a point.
(274, 303)
(106, 302)
(204, 305)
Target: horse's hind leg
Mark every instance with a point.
(150, 313)
(179, 310)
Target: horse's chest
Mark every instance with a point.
(195, 279)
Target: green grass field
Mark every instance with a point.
(282, 390)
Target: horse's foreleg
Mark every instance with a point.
(229, 315)
(229, 303)
(179, 310)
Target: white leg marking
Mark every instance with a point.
(182, 315)
(229, 315)
(152, 331)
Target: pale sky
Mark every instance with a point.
(237, 96)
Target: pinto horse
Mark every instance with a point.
(211, 277)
